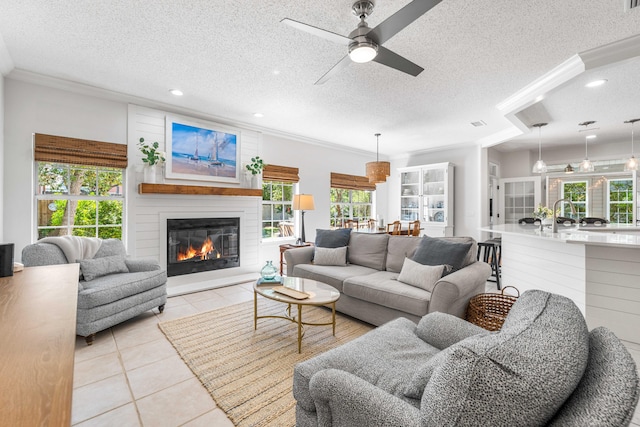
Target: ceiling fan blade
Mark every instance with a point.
(401, 19)
(393, 60)
(344, 63)
(327, 35)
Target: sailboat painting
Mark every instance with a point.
(201, 152)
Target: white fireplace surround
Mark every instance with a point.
(195, 282)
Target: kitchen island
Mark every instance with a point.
(597, 267)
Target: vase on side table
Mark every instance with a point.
(149, 174)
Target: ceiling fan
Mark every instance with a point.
(365, 44)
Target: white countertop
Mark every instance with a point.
(610, 235)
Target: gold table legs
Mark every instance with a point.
(295, 319)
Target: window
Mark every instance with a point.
(79, 200)
(620, 201)
(277, 213)
(577, 193)
(350, 204)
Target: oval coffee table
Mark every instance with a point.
(319, 294)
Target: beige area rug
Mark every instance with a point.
(249, 373)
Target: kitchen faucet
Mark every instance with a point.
(554, 226)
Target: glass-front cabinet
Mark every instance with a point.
(426, 194)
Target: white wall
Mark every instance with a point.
(316, 164)
(468, 201)
(29, 109)
(32, 108)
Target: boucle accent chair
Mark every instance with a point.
(542, 368)
(111, 288)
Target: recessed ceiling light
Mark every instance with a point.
(596, 83)
(276, 72)
(258, 115)
(176, 92)
(591, 136)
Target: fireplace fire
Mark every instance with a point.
(202, 244)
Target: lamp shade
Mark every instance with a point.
(378, 172)
(303, 202)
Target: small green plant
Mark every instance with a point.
(153, 155)
(543, 212)
(256, 165)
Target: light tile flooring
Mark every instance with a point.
(132, 376)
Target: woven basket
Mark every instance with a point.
(489, 310)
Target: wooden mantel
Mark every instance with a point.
(197, 190)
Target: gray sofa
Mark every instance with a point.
(107, 298)
(369, 287)
(543, 368)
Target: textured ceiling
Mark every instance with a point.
(232, 59)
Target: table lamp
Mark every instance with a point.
(303, 202)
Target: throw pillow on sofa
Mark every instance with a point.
(98, 267)
(433, 251)
(332, 238)
(330, 256)
(419, 275)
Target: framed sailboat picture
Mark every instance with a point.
(202, 151)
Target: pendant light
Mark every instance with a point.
(632, 163)
(378, 171)
(586, 165)
(540, 166)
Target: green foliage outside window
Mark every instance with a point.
(577, 193)
(621, 201)
(79, 200)
(349, 204)
(277, 211)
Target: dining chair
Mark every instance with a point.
(414, 228)
(394, 228)
(351, 223)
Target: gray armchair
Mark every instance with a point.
(111, 287)
(542, 368)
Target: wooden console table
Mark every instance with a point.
(38, 335)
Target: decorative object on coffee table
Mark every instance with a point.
(269, 271)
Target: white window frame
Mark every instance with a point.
(618, 202)
(351, 204)
(294, 217)
(564, 207)
(43, 196)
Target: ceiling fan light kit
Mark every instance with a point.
(540, 166)
(378, 171)
(365, 44)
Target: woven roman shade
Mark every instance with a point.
(60, 149)
(351, 182)
(280, 173)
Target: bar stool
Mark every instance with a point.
(491, 253)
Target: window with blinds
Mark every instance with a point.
(79, 187)
(351, 199)
(277, 200)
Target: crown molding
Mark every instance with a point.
(89, 90)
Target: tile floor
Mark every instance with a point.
(131, 375)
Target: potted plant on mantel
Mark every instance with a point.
(153, 156)
(255, 167)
